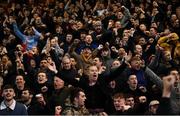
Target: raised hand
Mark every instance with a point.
(11, 20)
(58, 110)
(100, 47)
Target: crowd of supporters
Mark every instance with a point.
(89, 57)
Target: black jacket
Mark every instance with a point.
(96, 94)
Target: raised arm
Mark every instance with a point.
(115, 73)
(67, 5)
(37, 34)
(109, 4)
(72, 81)
(95, 7)
(126, 12)
(18, 32)
(46, 48)
(127, 16)
(81, 5)
(74, 54)
(162, 39)
(153, 77)
(155, 62)
(165, 106)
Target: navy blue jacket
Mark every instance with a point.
(18, 110)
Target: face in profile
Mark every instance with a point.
(25, 96)
(81, 98)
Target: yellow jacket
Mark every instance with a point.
(163, 41)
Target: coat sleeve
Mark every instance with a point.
(165, 107)
(114, 73)
(37, 34)
(18, 33)
(153, 77)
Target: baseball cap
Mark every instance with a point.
(154, 102)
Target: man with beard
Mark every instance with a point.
(88, 41)
(9, 106)
(27, 99)
(100, 35)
